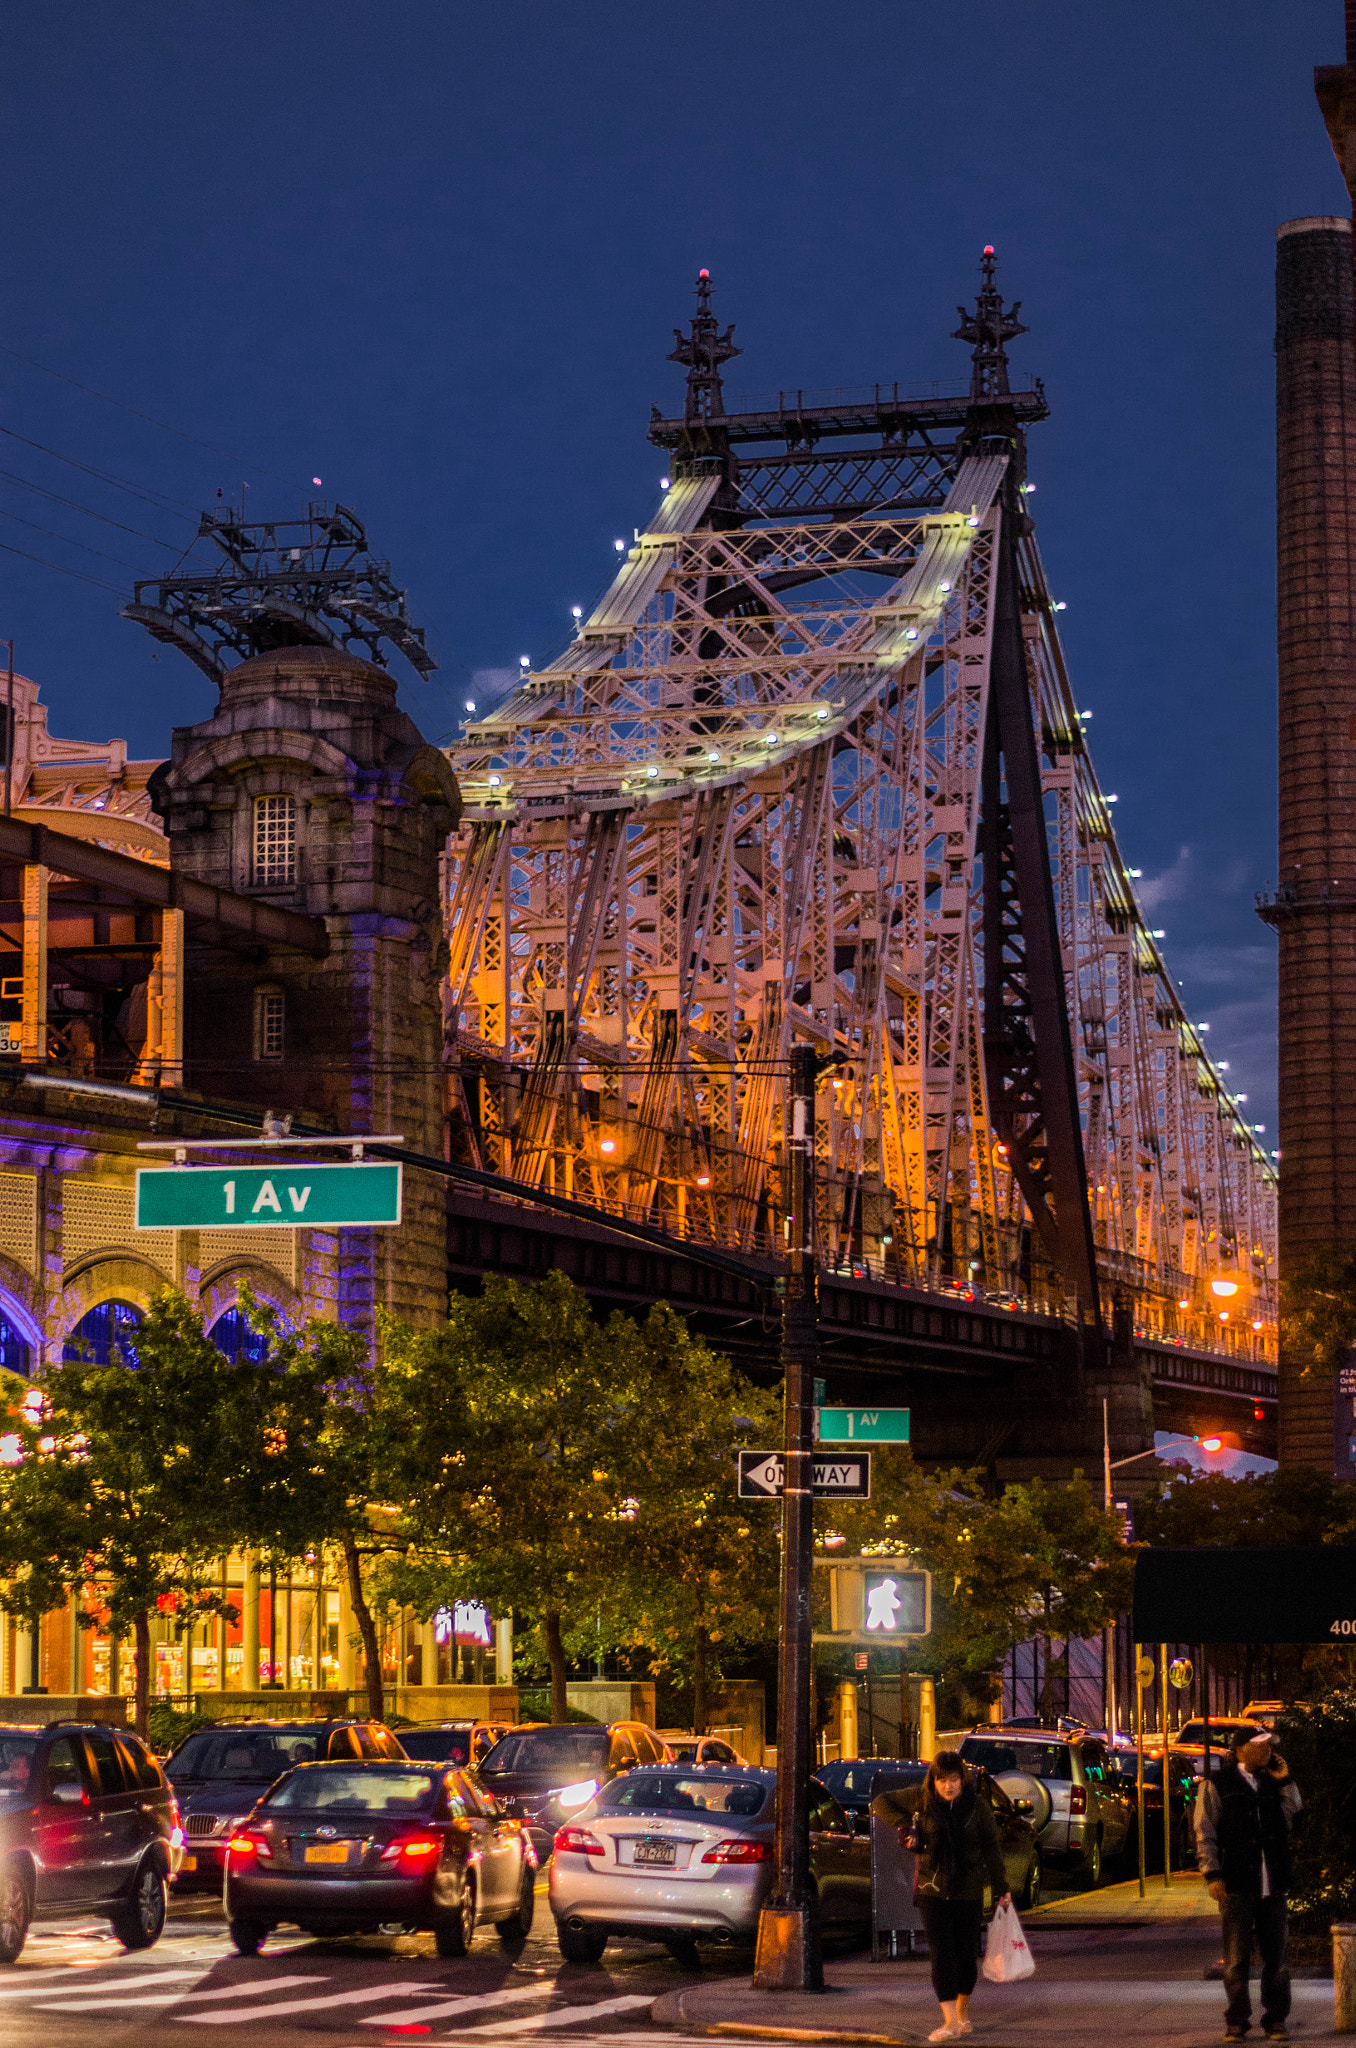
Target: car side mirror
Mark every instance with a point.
(70, 1795)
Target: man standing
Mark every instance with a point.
(1243, 1821)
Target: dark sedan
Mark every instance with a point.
(544, 1775)
(348, 1849)
(466, 1743)
(218, 1774)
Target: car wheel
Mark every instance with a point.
(453, 1932)
(16, 1910)
(140, 1921)
(249, 1936)
(581, 1944)
(1031, 1891)
(519, 1923)
(1092, 1863)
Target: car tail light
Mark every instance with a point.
(248, 1845)
(1078, 1800)
(411, 1849)
(737, 1851)
(577, 1842)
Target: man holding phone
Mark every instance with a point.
(1243, 1821)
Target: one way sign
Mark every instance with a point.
(762, 1475)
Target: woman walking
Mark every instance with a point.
(956, 1839)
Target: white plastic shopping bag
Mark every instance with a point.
(1006, 1955)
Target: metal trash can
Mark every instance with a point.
(894, 1909)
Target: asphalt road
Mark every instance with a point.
(74, 1986)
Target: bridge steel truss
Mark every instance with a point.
(812, 771)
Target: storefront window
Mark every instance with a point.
(105, 1335)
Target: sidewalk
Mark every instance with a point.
(1120, 1905)
(1138, 1986)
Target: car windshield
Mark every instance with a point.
(257, 1754)
(16, 1765)
(1034, 1759)
(436, 1745)
(549, 1749)
(672, 1792)
(356, 1788)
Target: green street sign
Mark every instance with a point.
(263, 1197)
(862, 1425)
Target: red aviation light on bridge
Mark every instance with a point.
(988, 249)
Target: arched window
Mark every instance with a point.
(16, 1354)
(105, 1335)
(235, 1339)
(275, 839)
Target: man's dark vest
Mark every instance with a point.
(1250, 1823)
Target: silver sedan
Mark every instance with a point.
(681, 1855)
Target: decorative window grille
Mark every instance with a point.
(269, 1021)
(275, 839)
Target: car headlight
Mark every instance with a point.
(571, 1796)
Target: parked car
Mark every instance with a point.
(466, 1743)
(218, 1773)
(895, 1793)
(545, 1774)
(684, 1855)
(1184, 1768)
(849, 1780)
(1080, 1807)
(348, 1848)
(702, 1749)
(88, 1825)
(1223, 1728)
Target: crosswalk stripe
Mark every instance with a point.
(364, 1996)
(563, 2016)
(464, 2004)
(43, 1984)
(117, 1998)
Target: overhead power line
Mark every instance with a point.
(151, 420)
(79, 574)
(73, 505)
(68, 540)
(160, 499)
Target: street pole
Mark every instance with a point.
(1139, 1762)
(1108, 1633)
(1167, 1802)
(788, 1956)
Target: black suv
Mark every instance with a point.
(87, 1824)
(220, 1773)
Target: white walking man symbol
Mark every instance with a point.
(883, 1604)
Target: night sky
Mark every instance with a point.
(433, 254)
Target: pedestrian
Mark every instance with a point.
(1243, 1822)
(956, 1839)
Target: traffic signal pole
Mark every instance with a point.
(788, 1956)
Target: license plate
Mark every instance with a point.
(189, 1863)
(327, 1852)
(654, 1852)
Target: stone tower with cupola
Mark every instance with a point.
(310, 789)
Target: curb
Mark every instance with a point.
(668, 2011)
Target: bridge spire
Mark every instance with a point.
(989, 327)
(703, 350)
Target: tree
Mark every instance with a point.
(1068, 1550)
(511, 1433)
(699, 1567)
(128, 1475)
(1318, 1311)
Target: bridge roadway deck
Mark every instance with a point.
(984, 1383)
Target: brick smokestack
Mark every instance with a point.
(1315, 909)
